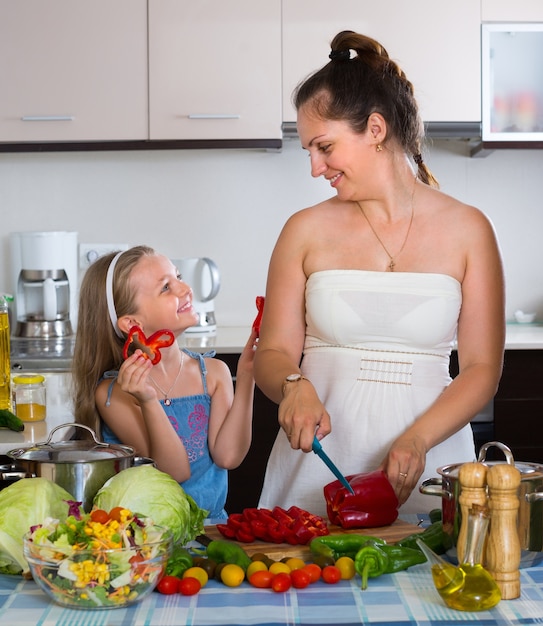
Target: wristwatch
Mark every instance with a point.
(292, 378)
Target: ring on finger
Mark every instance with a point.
(403, 475)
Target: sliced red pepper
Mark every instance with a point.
(245, 536)
(226, 531)
(258, 319)
(373, 504)
(150, 346)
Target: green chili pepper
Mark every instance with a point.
(435, 515)
(179, 562)
(375, 559)
(433, 537)
(228, 552)
(340, 545)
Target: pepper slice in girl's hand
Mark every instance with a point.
(150, 346)
(258, 319)
(373, 504)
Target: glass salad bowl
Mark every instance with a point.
(115, 566)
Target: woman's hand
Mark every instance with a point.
(247, 357)
(404, 465)
(134, 377)
(302, 415)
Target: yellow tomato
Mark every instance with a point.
(295, 563)
(232, 575)
(278, 568)
(197, 572)
(256, 566)
(346, 566)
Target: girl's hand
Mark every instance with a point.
(247, 357)
(134, 377)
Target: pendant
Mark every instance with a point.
(167, 401)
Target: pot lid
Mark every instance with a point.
(72, 451)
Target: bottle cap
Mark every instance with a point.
(28, 379)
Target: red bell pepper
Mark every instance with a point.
(373, 504)
(295, 526)
(258, 319)
(150, 346)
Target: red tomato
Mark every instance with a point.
(168, 585)
(313, 570)
(261, 579)
(281, 582)
(331, 574)
(189, 586)
(115, 513)
(300, 578)
(100, 516)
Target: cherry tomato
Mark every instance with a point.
(300, 578)
(100, 516)
(189, 586)
(261, 579)
(115, 513)
(313, 570)
(232, 575)
(197, 572)
(281, 582)
(346, 566)
(168, 585)
(278, 567)
(331, 574)
(255, 566)
(295, 563)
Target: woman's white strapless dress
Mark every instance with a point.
(377, 350)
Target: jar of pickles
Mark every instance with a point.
(28, 397)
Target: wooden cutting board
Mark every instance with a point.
(396, 531)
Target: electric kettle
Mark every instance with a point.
(202, 275)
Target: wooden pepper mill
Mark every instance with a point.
(472, 477)
(503, 550)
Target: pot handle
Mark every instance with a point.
(70, 425)
(506, 451)
(535, 496)
(434, 487)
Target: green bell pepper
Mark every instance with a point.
(222, 551)
(179, 562)
(434, 537)
(340, 545)
(374, 559)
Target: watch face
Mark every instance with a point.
(293, 377)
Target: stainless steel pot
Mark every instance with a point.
(81, 466)
(530, 516)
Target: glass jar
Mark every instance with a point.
(29, 397)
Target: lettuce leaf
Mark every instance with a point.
(148, 492)
(25, 503)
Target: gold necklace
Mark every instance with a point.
(392, 263)
(167, 400)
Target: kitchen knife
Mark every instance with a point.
(317, 449)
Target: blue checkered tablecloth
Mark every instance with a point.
(404, 599)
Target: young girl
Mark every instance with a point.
(181, 412)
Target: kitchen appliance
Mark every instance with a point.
(202, 275)
(44, 276)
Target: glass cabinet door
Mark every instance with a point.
(512, 82)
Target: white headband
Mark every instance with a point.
(109, 294)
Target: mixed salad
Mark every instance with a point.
(97, 560)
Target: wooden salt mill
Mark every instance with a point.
(503, 550)
(472, 477)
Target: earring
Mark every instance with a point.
(379, 147)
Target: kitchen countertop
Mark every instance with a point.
(55, 354)
(405, 599)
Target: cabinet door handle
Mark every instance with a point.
(47, 118)
(212, 116)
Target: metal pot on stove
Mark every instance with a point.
(80, 466)
(530, 515)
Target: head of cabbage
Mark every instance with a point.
(147, 491)
(23, 504)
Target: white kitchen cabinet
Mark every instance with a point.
(215, 69)
(73, 71)
(436, 43)
(507, 11)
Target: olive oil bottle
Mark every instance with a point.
(468, 586)
(5, 361)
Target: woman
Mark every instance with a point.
(367, 293)
(182, 411)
